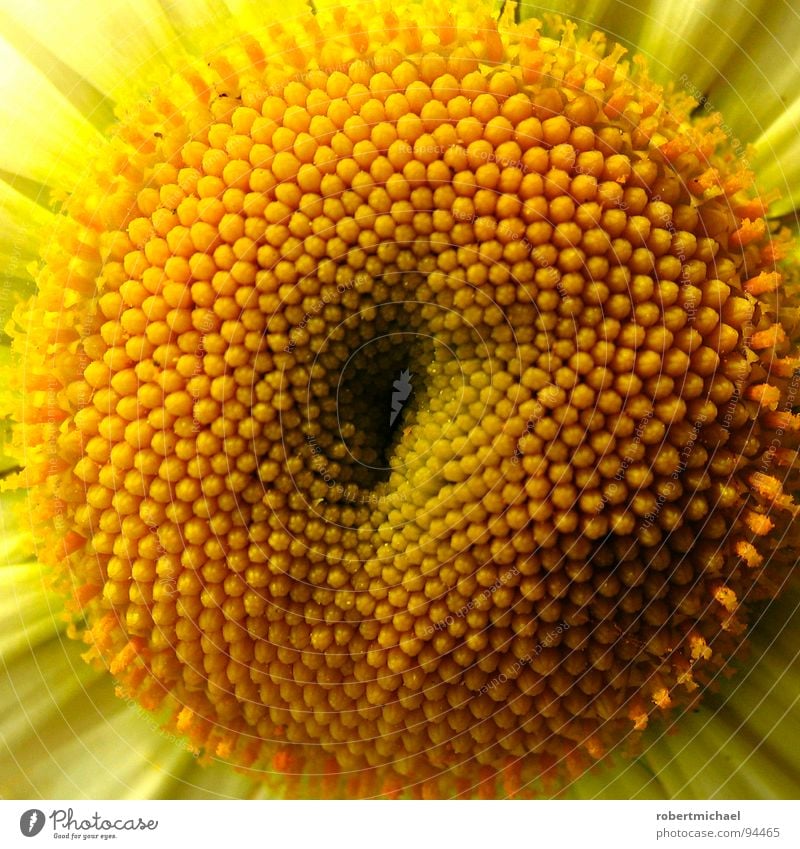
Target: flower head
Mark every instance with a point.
(555, 533)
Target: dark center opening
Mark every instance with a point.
(371, 385)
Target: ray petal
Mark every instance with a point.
(23, 218)
(77, 90)
(104, 44)
(776, 159)
(44, 138)
(60, 718)
(758, 82)
(734, 745)
(695, 39)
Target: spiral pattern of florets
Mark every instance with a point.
(412, 419)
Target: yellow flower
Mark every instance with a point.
(405, 403)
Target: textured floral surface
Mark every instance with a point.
(65, 717)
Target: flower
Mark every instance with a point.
(572, 274)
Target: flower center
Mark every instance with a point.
(422, 416)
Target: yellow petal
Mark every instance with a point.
(28, 615)
(23, 219)
(776, 159)
(67, 736)
(44, 138)
(626, 779)
(60, 717)
(759, 81)
(734, 747)
(254, 15)
(591, 15)
(694, 38)
(106, 44)
(78, 91)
